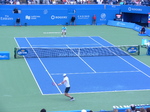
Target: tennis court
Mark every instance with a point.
(23, 90)
(87, 74)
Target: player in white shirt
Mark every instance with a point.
(67, 84)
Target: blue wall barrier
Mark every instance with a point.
(137, 28)
(148, 32)
(121, 24)
(128, 25)
(56, 14)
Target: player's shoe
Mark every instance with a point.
(72, 99)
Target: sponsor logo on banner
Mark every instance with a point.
(58, 17)
(32, 17)
(132, 50)
(45, 11)
(22, 52)
(6, 17)
(83, 16)
(27, 17)
(4, 56)
(121, 24)
(103, 17)
(137, 27)
(134, 9)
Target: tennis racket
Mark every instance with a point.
(54, 83)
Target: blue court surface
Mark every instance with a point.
(86, 74)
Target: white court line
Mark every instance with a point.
(96, 72)
(30, 69)
(97, 92)
(82, 60)
(65, 45)
(51, 32)
(122, 58)
(44, 66)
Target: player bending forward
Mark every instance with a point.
(64, 30)
(67, 84)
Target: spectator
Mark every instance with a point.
(17, 3)
(99, 1)
(64, 1)
(133, 108)
(142, 110)
(94, 20)
(148, 109)
(142, 30)
(15, 10)
(105, 2)
(18, 22)
(128, 110)
(46, 2)
(11, 2)
(115, 110)
(133, 2)
(138, 2)
(36, 1)
(2, 2)
(7, 1)
(114, 2)
(78, 1)
(89, 2)
(73, 18)
(41, 1)
(83, 110)
(43, 110)
(137, 110)
(122, 2)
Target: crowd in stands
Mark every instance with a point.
(135, 109)
(132, 108)
(111, 2)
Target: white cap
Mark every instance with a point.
(64, 74)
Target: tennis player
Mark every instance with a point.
(67, 84)
(64, 30)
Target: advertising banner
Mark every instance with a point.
(4, 55)
(135, 9)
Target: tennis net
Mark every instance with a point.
(44, 52)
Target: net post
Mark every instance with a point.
(15, 52)
(139, 49)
